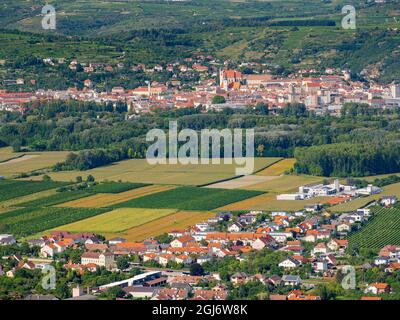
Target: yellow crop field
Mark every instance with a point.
(138, 170)
(282, 184)
(31, 161)
(105, 200)
(268, 202)
(117, 220)
(278, 168)
(176, 221)
(389, 190)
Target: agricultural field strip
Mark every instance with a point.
(268, 202)
(30, 162)
(28, 221)
(10, 189)
(175, 221)
(138, 170)
(22, 201)
(240, 182)
(190, 198)
(383, 229)
(118, 220)
(392, 189)
(106, 200)
(57, 198)
(277, 168)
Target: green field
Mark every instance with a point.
(10, 189)
(114, 187)
(189, 198)
(28, 221)
(382, 230)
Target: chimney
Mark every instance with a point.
(337, 185)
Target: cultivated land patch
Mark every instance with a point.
(15, 202)
(10, 189)
(176, 221)
(268, 202)
(138, 170)
(114, 187)
(383, 229)
(54, 199)
(241, 182)
(278, 168)
(28, 221)
(118, 220)
(107, 200)
(283, 184)
(31, 162)
(389, 190)
(190, 198)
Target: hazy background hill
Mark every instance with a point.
(286, 35)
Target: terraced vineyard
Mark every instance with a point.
(383, 229)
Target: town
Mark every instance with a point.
(210, 83)
(211, 260)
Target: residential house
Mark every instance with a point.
(235, 227)
(291, 280)
(265, 241)
(239, 278)
(164, 258)
(115, 241)
(394, 266)
(210, 294)
(289, 263)
(377, 288)
(169, 294)
(381, 261)
(336, 244)
(182, 241)
(101, 259)
(388, 201)
(319, 249)
(6, 239)
(183, 259)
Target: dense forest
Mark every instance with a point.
(348, 159)
(98, 134)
